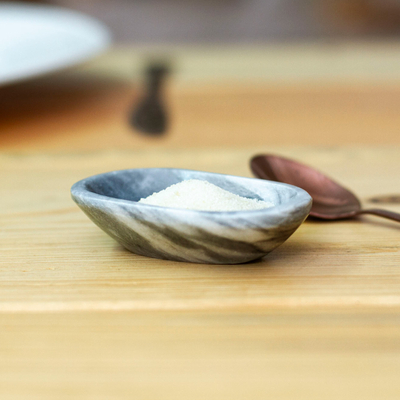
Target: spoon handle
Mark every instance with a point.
(382, 213)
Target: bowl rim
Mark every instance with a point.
(301, 199)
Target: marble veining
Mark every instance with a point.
(110, 200)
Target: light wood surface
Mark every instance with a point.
(82, 318)
(305, 95)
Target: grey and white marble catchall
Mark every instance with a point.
(215, 237)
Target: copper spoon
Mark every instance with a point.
(330, 200)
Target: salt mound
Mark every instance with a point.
(194, 194)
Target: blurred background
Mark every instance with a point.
(314, 80)
(254, 72)
(205, 21)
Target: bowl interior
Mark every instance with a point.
(132, 185)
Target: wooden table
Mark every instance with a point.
(82, 318)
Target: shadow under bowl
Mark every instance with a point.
(110, 200)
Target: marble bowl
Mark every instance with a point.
(110, 200)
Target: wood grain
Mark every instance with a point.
(298, 96)
(267, 354)
(319, 318)
(81, 317)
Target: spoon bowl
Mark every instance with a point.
(331, 201)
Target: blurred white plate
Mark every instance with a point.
(36, 39)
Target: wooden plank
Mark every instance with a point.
(88, 108)
(280, 354)
(81, 317)
(55, 259)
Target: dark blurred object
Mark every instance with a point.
(388, 199)
(366, 16)
(149, 116)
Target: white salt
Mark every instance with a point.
(194, 194)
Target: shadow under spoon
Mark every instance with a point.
(331, 201)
